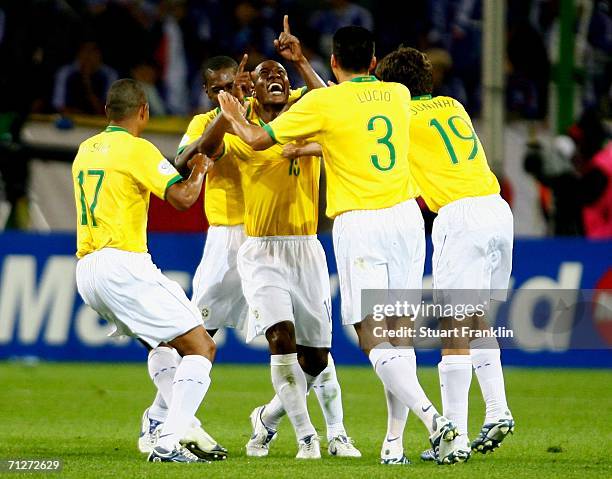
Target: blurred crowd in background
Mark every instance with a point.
(60, 56)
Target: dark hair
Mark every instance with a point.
(407, 66)
(217, 63)
(353, 48)
(124, 98)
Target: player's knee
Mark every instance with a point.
(281, 338)
(313, 360)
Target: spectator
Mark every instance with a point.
(81, 86)
(598, 59)
(445, 82)
(146, 74)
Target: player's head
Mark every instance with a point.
(218, 75)
(353, 50)
(409, 67)
(127, 101)
(271, 83)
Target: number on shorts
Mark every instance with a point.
(92, 208)
(447, 142)
(384, 140)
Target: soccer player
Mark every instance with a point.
(217, 289)
(362, 126)
(114, 174)
(472, 238)
(289, 304)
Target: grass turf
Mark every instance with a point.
(89, 416)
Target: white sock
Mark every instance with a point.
(162, 363)
(397, 414)
(486, 359)
(455, 373)
(273, 413)
(329, 394)
(397, 370)
(191, 382)
(290, 386)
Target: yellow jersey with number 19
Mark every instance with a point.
(362, 126)
(446, 157)
(114, 174)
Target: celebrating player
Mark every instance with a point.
(472, 239)
(362, 126)
(221, 74)
(114, 174)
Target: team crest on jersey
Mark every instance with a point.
(165, 167)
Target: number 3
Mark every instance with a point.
(383, 141)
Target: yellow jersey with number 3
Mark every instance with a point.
(114, 174)
(446, 157)
(362, 126)
(281, 195)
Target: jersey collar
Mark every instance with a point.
(364, 79)
(422, 97)
(112, 128)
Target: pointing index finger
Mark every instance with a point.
(286, 24)
(243, 63)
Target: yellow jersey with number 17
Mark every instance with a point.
(446, 157)
(362, 126)
(114, 174)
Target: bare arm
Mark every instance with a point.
(253, 135)
(184, 194)
(288, 46)
(293, 150)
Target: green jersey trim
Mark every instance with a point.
(270, 132)
(173, 180)
(422, 97)
(112, 128)
(364, 79)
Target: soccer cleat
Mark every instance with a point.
(309, 448)
(149, 433)
(178, 454)
(444, 431)
(342, 446)
(262, 436)
(200, 443)
(428, 455)
(392, 452)
(492, 434)
(455, 451)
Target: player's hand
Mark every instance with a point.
(231, 108)
(291, 150)
(287, 45)
(330, 83)
(243, 83)
(201, 162)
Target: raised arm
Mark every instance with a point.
(184, 194)
(233, 112)
(288, 46)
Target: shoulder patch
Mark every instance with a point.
(166, 168)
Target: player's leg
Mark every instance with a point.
(485, 352)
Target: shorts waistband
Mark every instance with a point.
(114, 252)
(467, 200)
(282, 238)
(374, 212)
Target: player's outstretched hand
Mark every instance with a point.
(287, 45)
(243, 83)
(291, 150)
(231, 107)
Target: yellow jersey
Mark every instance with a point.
(223, 197)
(362, 126)
(281, 195)
(446, 157)
(114, 174)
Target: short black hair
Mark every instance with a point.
(124, 98)
(217, 63)
(410, 67)
(353, 48)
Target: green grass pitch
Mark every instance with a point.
(89, 416)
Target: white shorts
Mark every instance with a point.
(285, 278)
(131, 293)
(217, 290)
(378, 249)
(472, 242)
